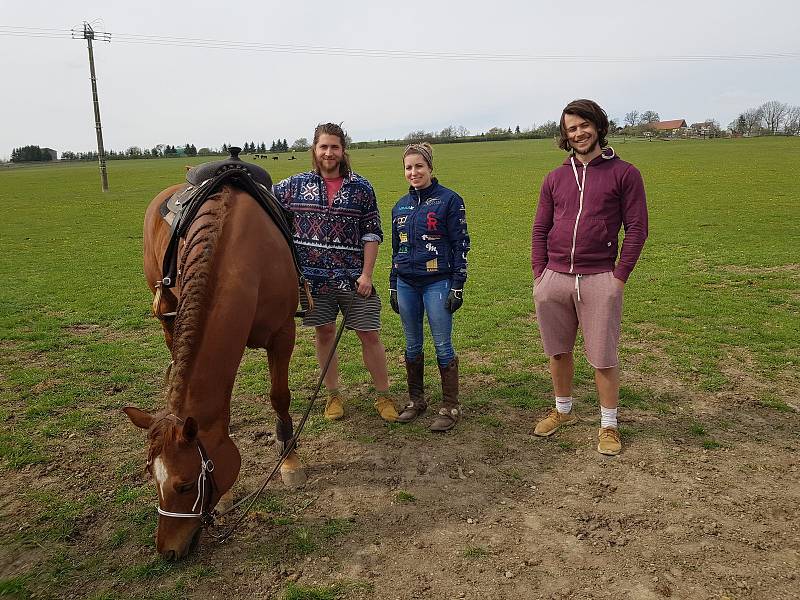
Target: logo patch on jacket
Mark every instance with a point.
(432, 265)
(432, 222)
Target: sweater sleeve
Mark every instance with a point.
(395, 247)
(459, 240)
(370, 222)
(634, 219)
(283, 192)
(541, 229)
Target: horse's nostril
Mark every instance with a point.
(170, 555)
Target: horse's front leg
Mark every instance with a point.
(279, 353)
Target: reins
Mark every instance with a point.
(209, 519)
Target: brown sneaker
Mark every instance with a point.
(550, 424)
(609, 443)
(386, 409)
(334, 408)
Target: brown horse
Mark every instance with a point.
(237, 287)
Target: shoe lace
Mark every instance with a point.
(609, 432)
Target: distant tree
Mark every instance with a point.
(612, 126)
(262, 148)
(791, 124)
(649, 116)
(461, 131)
(133, 152)
(68, 155)
(30, 154)
(224, 148)
(753, 118)
(272, 147)
(420, 136)
(517, 130)
(546, 130)
(774, 114)
(632, 118)
(285, 145)
(738, 125)
(448, 132)
(348, 141)
(496, 131)
(300, 144)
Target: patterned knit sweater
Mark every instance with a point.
(330, 241)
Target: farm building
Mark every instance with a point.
(675, 126)
(53, 154)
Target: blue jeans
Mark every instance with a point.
(414, 301)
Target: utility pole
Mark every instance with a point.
(89, 34)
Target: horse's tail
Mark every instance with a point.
(196, 281)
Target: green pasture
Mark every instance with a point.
(714, 300)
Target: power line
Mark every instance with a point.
(375, 53)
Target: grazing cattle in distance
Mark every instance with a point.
(292, 157)
(274, 158)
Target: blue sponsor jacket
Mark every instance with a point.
(429, 237)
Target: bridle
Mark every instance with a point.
(205, 488)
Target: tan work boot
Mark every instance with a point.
(550, 424)
(608, 441)
(334, 408)
(386, 409)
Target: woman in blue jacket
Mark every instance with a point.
(429, 267)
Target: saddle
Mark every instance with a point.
(180, 209)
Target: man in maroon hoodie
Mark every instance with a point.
(579, 275)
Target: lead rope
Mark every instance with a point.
(290, 445)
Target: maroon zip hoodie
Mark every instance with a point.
(577, 233)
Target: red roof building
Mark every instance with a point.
(668, 125)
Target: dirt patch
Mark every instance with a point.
(701, 504)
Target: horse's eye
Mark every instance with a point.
(183, 488)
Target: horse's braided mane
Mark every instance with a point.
(197, 258)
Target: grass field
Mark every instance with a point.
(711, 308)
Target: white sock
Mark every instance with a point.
(608, 417)
(563, 404)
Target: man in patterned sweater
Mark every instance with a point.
(337, 230)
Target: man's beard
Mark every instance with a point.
(590, 149)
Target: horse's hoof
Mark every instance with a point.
(293, 478)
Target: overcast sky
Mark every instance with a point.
(155, 93)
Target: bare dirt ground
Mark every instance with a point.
(489, 511)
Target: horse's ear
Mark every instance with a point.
(189, 430)
(139, 417)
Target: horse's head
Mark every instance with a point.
(191, 476)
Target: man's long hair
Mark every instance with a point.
(332, 129)
(589, 110)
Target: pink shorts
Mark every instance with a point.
(594, 302)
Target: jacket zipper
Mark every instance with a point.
(581, 187)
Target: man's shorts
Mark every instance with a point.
(364, 314)
(564, 301)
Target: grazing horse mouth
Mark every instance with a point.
(188, 549)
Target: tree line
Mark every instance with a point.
(31, 154)
(770, 118)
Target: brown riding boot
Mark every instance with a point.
(415, 372)
(450, 412)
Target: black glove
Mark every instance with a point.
(393, 301)
(454, 300)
